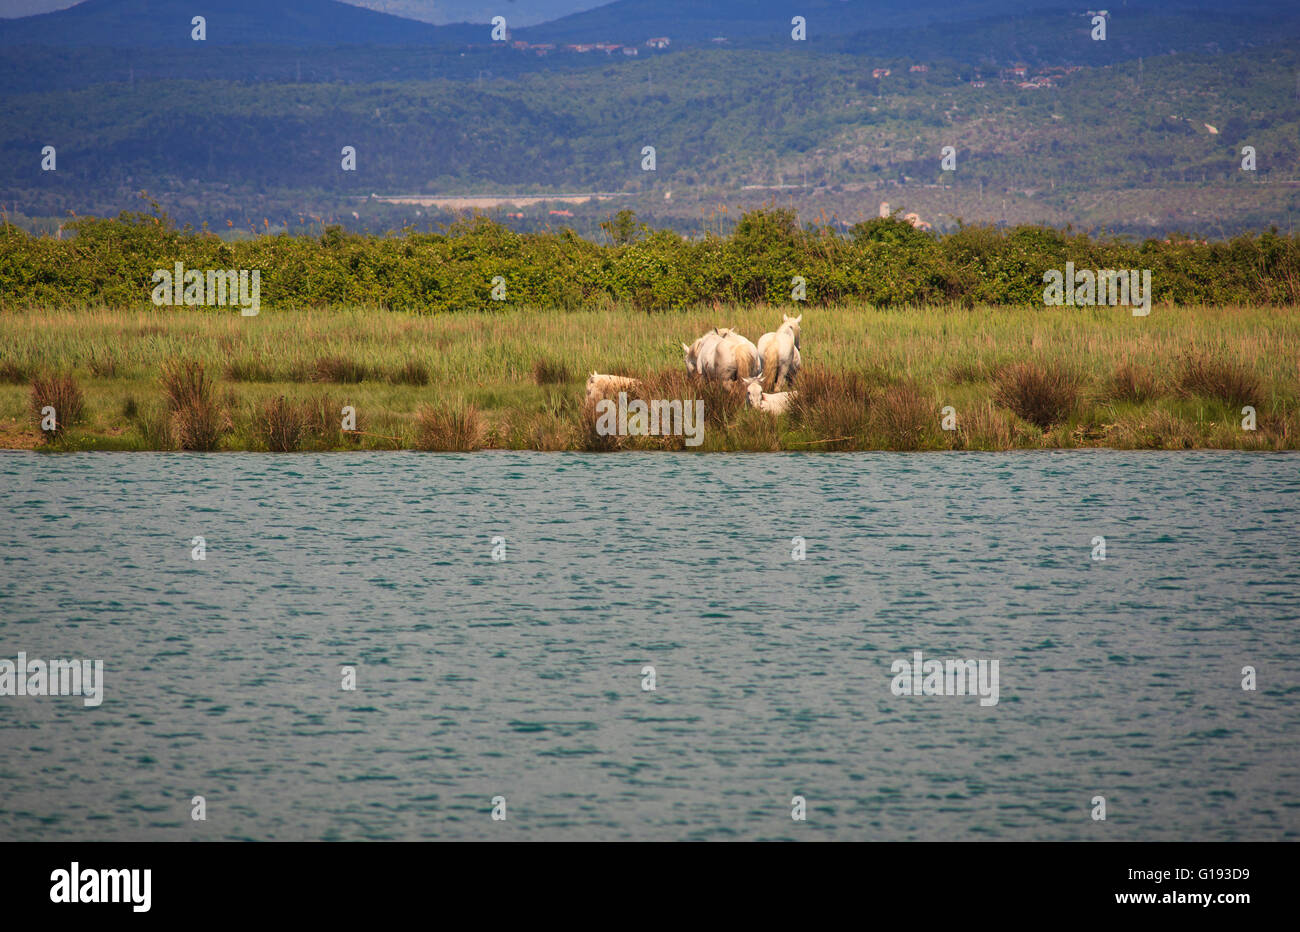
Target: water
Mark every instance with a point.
(523, 678)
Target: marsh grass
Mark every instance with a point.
(13, 372)
(62, 393)
(1041, 394)
(411, 372)
(866, 372)
(339, 369)
(250, 369)
(903, 418)
(197, 418)
(280, 424)
(1133, 382)
(448, 427)
(549, 372)
(833, 407)
(1216, 376)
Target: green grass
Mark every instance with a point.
(875, 378)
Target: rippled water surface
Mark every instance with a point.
(522, 678)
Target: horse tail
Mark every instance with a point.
(745, 362)
(771, 362)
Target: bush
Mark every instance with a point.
(883, 261)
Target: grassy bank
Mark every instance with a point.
(1017, 378)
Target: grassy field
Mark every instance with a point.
(1017, 378)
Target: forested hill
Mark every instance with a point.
(1141, 132)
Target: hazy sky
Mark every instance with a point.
(520, 12)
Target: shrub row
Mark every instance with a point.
(883, 262)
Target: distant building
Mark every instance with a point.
(630, 50)
(977, 84)
(919, 68)
(880, 72)
(884, 208)
(719, 40)
(660, 42)
(561, 213)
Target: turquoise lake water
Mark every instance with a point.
(522, 677)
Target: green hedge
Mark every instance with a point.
(882, 262)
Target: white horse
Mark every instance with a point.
(779, 353)
(775, 403)
(723, 355)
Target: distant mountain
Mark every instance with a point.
(167, 23)
(517, 12)
(438, 12)
(845, 23)
(694, 21)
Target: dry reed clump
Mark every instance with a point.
(197, 420)
(587, 435)
(550, 372)
(1219, 378)
(834, 406)
(904, 418)
(281, 424)
(339, 369)
(723, 401)
(61, 393)
(412, 372)
(1132, 382)
(986, 427)
(1042, 395)
(448, 427)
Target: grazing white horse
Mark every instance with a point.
(779, 353)
(775, 403)
(723, 355)
(600, 385)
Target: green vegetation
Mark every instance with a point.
(874, 378)
(883, 262)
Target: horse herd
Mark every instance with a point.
(723, 355)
